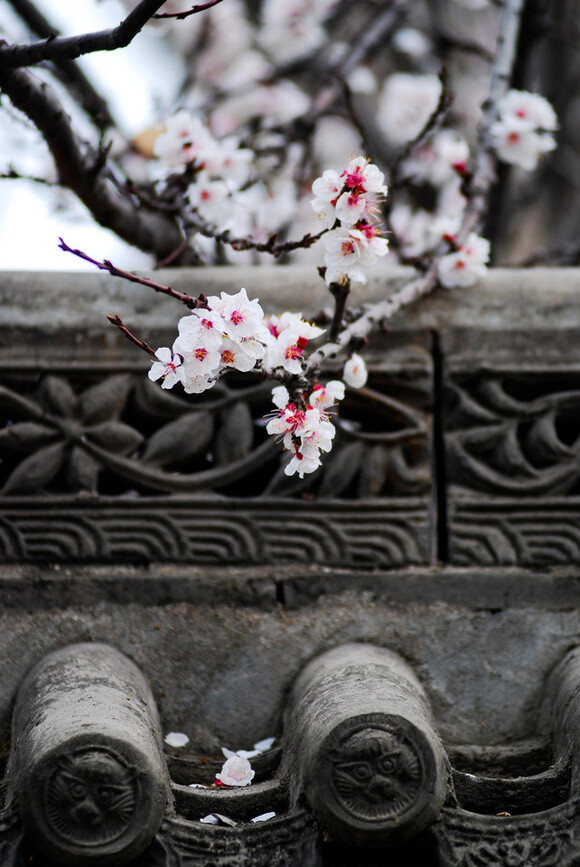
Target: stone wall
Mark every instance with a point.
(444, 528)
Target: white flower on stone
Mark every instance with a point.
(236, 771)
(176, 739)
(405, 105)
(466, 266)
(263, 817)
(167, 367)
(355, 371)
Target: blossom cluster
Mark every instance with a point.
(231, 333)
(305, 427)
(347, 203)
(523, 131)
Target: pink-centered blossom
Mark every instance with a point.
(467, 265)
(241, 316)
(348, 250)
(523, 130)
(324, 396)
(210, 198)
(166, 367)
(185, 140)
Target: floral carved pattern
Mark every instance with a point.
(514, 436)
(536, 840)
(134, 473)
(124, 435)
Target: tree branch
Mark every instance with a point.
(70, 47)
(189, 301)
(67, 71)
(482, 179)
(193, 11)
(78, 170)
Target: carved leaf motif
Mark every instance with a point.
(153, 400)
(180, 439)
(26, 436)
(282, 485)
(116, 436)
(36, 470)
(58, 396)
(373, 472)
(82, 471)
(236, 434)
(341, 467)
(406, 478)
(543, 442)
(103, 401)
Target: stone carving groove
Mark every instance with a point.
(512, 467)
(108, 449)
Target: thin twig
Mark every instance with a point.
(193, 11)
(271, 246)
(118, 323)
(189, 301)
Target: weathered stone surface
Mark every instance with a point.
(86, 769)
(359, 743)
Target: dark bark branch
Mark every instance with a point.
(75, 163)
(67, 71)
(70, 47)
(271, 246)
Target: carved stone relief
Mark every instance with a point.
(512, 468)
(109, 449)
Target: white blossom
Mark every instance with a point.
(516, 143)
(348, 250)
(405, 105)
(166, 367)
(263, 817)
(186, 139)
(236, 771)
(523, 130)
(176, 739)
(466, 266)
(355, 371)
(445, 154)
(210, 198)
(241, 316)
